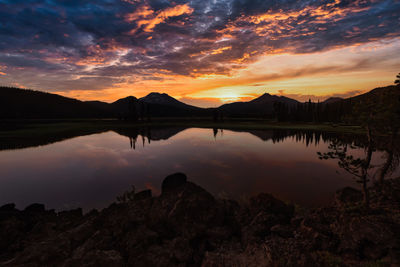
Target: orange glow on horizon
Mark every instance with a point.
(338, 72)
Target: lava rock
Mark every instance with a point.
(282, 230)
(145, 194)
(35, 207)
(8, 207)
(71, 213)
(268, 204)
(173, 181)
(347, 195)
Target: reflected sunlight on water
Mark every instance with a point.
(90, 171)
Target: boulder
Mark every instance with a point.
(347, 195)
(268, 204)
(282, 230)
(8, 207)
(35, 207)
(96, 258)
(74, 213)
(367, 237)
(172, 182)
(189, 205)
(145, 194)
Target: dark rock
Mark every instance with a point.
(367, 237)
(36, 207)
(81, 233)
(259, 227)
(316, 222)
(268, 204)
(347, 195)
(12, 230)
(8, 207)
(296, 221)
(111, 258)
(145, 194)
(282, 230)
(187, 226)
(92, 213)
(316, 228)
(172, 182)
(190, 205)
(138, 241)
(71, 213)
(253, 255)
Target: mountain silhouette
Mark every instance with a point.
(332, 100)
(165, 99)
(16, 103)
(162, 105)
(263, 105)
(29, 104)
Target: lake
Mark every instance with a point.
(91, 171)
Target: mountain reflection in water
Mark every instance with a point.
(90, 171)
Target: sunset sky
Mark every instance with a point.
(203, 52)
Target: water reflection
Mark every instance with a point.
(90, 171)
(361, 167)
(148, 134)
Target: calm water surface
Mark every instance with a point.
(90, 171)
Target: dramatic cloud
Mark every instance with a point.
(76, 45)
(144, 16)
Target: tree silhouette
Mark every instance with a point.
(366, 114)
(389, 125)
(357, 167)
(215, 114)
(379, 115)
(215, 132)
(392, 159)
(281, 111)
(397, 81)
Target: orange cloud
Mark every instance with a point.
(273, 23)
(220, 50)
(2, 68)
(146, 17)
(321, 14)
(142, 12)
(19, 85)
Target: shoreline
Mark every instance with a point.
(18, 128)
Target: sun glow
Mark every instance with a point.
(205, 53)
(344, 72)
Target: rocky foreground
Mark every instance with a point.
(186, 225)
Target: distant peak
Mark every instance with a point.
(264, 95)
(129, 98)
(332, 99)
(157, 94)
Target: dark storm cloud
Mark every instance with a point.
(60, 39)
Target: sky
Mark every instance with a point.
(203, 52)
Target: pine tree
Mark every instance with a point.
(397, 81)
